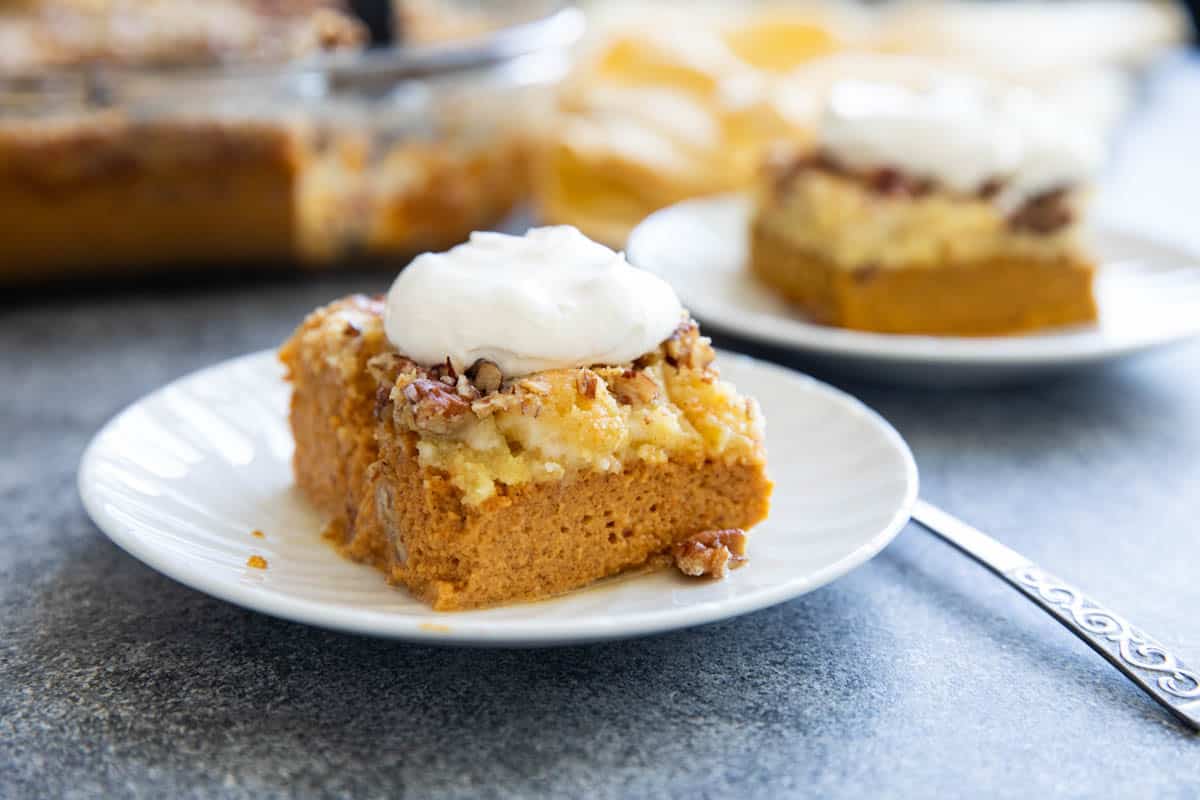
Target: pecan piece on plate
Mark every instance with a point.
(711, 553)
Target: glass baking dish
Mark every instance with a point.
(360, 157)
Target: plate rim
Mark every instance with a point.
(449, 628)
(1038, 350)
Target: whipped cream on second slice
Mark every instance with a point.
(960, 134)
(550, 299)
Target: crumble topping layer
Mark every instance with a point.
(483, 429)
(885, 218)
(961, 135)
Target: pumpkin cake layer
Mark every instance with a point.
(333, 408)
(541, 539)
(474, 490)
(991, 297)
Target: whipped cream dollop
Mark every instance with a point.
(960, 134)
(550, 299)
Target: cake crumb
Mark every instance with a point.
(257, 562)
(711, 553)
(257, 534)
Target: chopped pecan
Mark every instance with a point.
(493, 403)
(444, 372)
(891, 181)
(486, 375)
(1043, 214)
(632, 387)
(387, 367)
(687, 348)
(783, 166)
(990, 188)
(531, 405)
(466, 389)
(587, 382)
(436, 408)
(647, 360)
(711, 553)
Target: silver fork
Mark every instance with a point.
(1142, 659)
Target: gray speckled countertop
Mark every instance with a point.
(917, 675)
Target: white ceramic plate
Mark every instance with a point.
(1148, 293)
(182, 477)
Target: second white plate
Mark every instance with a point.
(183, 477)
(1148, 292)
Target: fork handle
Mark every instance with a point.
(1143, 660)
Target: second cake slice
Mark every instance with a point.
(944, 211)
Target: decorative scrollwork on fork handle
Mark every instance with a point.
(1142, 659)
(1133, 652)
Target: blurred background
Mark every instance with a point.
(143, 137)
